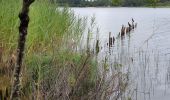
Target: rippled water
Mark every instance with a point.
(146, 51)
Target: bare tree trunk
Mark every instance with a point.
(24, 21)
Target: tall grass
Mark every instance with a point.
(52, 68)
(48, 28)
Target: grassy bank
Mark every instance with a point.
(52, 67)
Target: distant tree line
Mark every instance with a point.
(84, 3)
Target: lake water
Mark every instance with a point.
(148, 45)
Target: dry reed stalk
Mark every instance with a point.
(81, 75)
(1, 50)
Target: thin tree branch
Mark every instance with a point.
(24, 21)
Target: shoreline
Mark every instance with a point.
(122, 7)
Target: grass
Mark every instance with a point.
(52, 68)
(48, 27)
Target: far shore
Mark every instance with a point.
(159, 5)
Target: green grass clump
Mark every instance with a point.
(48, 56)
(48, 25)
(9, 23)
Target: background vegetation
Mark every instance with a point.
(132, 3)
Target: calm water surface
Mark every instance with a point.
(148, 46)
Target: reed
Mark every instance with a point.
(51, 69)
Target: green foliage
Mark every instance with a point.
(110, 2)
(9, 23)
(153, 2)
(164, 4)
(48, 25)
(117, 2)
